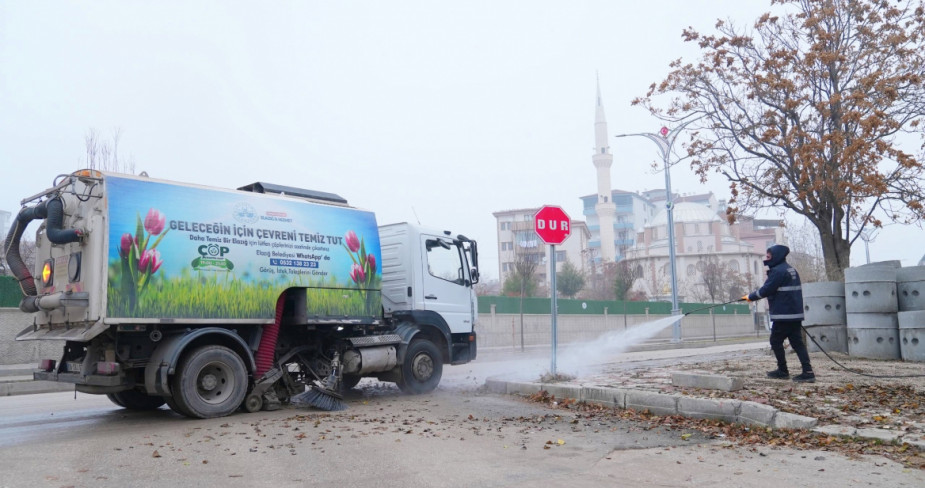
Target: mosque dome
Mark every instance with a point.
(685, 212)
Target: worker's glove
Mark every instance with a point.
(745, 298)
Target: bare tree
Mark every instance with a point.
(622, 277)
(805, 252)
(807, 110)
(719, 280)
(104, 155)
(522, 280)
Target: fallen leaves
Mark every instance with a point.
(745, 435)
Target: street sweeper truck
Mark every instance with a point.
(212, 300)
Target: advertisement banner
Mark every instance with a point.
(180, 251)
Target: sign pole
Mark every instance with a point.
(553, 226)
(553, 306)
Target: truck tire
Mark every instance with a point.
(211, 381)
(349, 381)
(136, 400)
(422, 368)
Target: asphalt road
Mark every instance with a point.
(456, 436)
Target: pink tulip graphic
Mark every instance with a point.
(126, 244)
(150, 261)
(357, 274)
(154, 222)
(353, 243)
(371, 262)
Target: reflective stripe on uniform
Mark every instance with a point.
(796, 316)
(790, 288)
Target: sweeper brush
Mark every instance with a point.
(323, 395)
(322, 399)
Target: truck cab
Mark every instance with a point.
(430, 275)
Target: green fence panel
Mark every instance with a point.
(541, 306)
(10, 294)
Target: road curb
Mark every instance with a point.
(28, 386)
(735, 411)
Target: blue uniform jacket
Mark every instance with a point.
(782, 288)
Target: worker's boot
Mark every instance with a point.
(805, 377)
(778, 374)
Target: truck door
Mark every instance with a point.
(446, 282)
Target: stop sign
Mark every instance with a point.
(552, 224)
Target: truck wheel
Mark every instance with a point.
(136, 400)
(114, 399)
(211, 381)
(349, 381)
(422, 368)
(176, 408)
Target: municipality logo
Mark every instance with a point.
(244, 213)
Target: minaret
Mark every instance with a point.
(602, 159)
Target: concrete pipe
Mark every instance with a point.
(912, 335)
(824, 303)
(910, 288)
(831, 338)
(873, 343)
(871, 290)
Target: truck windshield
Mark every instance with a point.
(444, 261)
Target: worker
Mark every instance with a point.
(785, 304)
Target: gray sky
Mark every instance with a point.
(430, 111)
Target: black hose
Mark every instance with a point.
(52, 211)
(11, 247)
(852, 370)
(14, 259)
(713, 306)
(55, 222)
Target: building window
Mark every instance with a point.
(691, 270)
(734, 266)
(696, 228)
(505, 226)
(699, 246)
(560, 256)
(507, 246)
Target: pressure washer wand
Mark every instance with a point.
(715, 305)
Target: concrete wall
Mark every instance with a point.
(503, 330)
(12, 322)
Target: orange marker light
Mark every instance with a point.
(46, 273)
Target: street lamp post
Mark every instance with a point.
(868, 236)
(664, 140)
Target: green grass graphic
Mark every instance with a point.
(218, 295)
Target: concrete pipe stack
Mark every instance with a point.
(910, 288)
(825, 318)
(872, 304)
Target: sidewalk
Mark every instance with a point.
(16, 379)
(727, 382)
